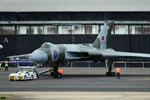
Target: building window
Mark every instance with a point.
(37, 30)
(8, 30)
(121, 29)
(64, 29)
(78, 29)
(22, 30)
(49, 29)
(135, 29)
(92, 29)
(146, 29)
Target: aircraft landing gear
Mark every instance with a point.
(110, 65)
(109, 73)
(55, 73)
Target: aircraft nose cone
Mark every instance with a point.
(1, 46)
(39, 56)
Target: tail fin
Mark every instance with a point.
(102, 39)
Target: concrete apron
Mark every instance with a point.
(79, 95)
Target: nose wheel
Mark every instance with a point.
(57, 75)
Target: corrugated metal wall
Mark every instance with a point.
(20, 44)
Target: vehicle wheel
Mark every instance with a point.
(11, 80)
(25, 78)
(17, 71)
(32, 77)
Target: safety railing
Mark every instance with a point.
(124, 64)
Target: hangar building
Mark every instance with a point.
(26, 24)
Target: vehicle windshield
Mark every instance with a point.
(25, 69)
(45, 45)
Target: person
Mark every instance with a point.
(6, 65)
(37, 75)
(0, 66)
(60, 71)
(118, 72)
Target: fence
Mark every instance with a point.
(125, 64)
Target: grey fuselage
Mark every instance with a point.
(65, 52)
(1, 46)
(50, 53)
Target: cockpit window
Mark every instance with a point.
(45, 45)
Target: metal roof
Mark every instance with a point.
(74, 5)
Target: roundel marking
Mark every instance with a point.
(55, 54)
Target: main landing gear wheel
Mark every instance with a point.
(109, 73)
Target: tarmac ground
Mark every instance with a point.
(79, 95)
(80, 83)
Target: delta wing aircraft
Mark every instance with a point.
(97, 51)
(1, 46)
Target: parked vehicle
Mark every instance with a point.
(24, 73)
